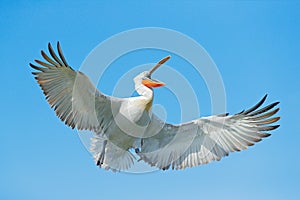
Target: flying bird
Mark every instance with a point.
(124, 125)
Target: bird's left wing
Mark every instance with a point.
(206, 139)
(74, 98)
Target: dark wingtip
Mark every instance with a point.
(276, 126)
(34, 67)
(265, 109)
(43, 53)
(264, 135)
(58, 45)
(263, 99)
(61, 54)
(50, 47)
(277, 119)
(241, 112)
(268, 128)
(265, 96)
(256, 106)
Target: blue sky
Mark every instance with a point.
(255, 45)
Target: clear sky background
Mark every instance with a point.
(255, 45)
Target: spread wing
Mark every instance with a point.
(80, 105)
(206, 139)
(72, 95)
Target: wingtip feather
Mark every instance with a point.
(256, 106)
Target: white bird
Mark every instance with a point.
(121, 124)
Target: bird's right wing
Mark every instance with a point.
(80, 105)
(72, 95)
(205, 139)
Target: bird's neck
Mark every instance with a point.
(144, 91)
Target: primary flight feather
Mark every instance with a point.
(120, 124)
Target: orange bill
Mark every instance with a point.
(151, 84)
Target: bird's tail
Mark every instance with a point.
(107, 155)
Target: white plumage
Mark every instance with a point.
(120, 124)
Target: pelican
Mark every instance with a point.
(122, 126)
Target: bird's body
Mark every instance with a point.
(121, 124)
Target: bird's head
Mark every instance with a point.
(145, 79)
